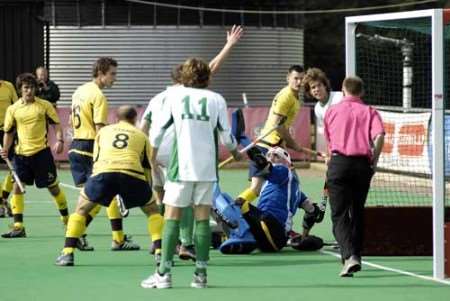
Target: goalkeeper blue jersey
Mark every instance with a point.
(281, 196)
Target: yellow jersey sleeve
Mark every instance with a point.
(283, 103)
(8, 96)
(286, 104)
(10, 123)
(50, 111)
(89, 107)
(100, 106)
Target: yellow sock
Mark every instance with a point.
(248, 194)
(18, 206)
(93, 213)
(115, 217)
(113, 210)
(60, 200)
(75, 228)
(155, 226)
(61, 203)
(7, 183)
(118, 236)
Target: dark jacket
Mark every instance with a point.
(50, 94)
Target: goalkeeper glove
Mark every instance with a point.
(310, 218)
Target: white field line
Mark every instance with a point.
(69, 186)
(51, 202)
(374, 265)
(381, 267)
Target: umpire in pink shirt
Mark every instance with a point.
(355, 135)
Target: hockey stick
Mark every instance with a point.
(13, 172)
(324, 201)
(256, 141)
(312, 152)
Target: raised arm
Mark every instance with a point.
(233, 37)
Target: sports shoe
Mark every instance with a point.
(126, 245)
(157, 281)
(65, 260)
(351, 266)
(187, 252)
(199, 281)
(83, 245)
(15, 233)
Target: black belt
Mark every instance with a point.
(338, 154)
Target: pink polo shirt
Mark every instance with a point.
(351, 126)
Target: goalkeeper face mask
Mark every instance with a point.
(277, 155)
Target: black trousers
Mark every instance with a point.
(270, 235)
(348, 180)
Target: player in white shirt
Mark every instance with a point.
(317, 86)
(186, 250)
(199, 116)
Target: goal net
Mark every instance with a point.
(394, 60)
(403, 59)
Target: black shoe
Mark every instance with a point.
(15, 233)
(65, 260)
(83, 245)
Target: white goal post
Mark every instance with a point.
(438, 110)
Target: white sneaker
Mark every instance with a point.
(199, 281)
(157, 281)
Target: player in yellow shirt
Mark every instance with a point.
(285, 107)
(121, 167)
(33, 160)
(8, 96)
(89, 114)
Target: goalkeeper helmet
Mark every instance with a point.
(278, 155)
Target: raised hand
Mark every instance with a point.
(234, 34)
